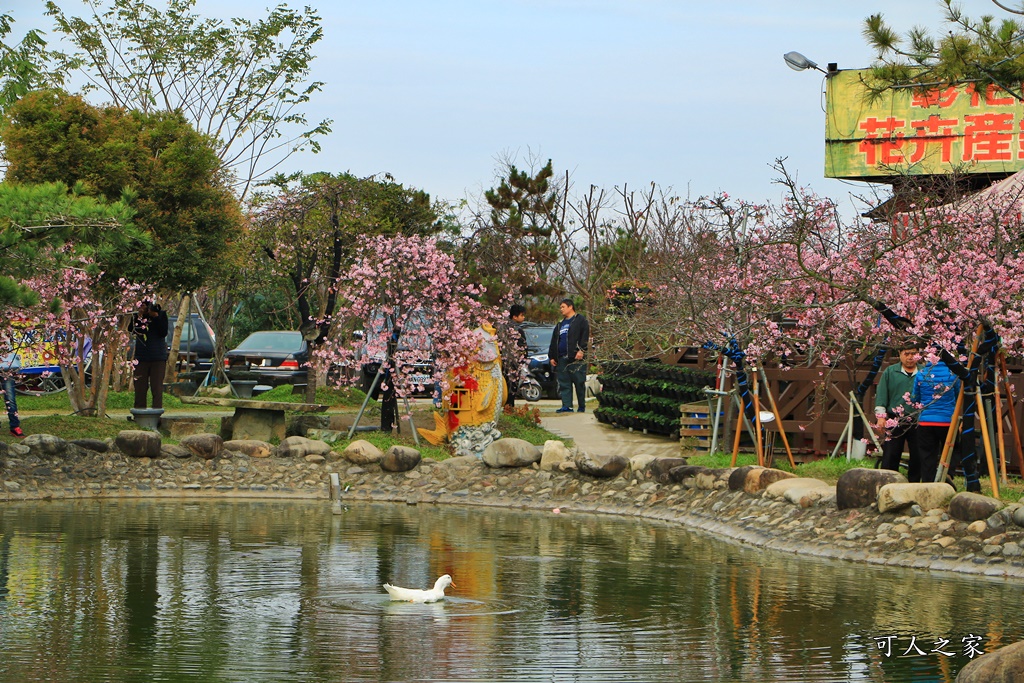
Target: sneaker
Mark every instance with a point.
(564, 410)
(582, 410)
(18, 433)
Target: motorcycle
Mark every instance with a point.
(537, 378)
(529, 387)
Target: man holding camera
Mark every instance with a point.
(149, 325)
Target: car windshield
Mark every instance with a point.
(538, 338)
(285, 342)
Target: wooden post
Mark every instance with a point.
(778, 418)
(988, 450)
(757, 422)
(1014, 429)
(954, 423)
(999, 428)
(736, 436)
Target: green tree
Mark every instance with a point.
(510, 248)
(177, 192)
(22, 65)
(44, 226)
(986, 52)
(241, 82)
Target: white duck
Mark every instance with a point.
(416, 595)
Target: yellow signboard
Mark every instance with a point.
(905, 132)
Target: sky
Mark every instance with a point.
(690, 95)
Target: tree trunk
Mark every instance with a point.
(311, 384)
(101, 383)
(171, 374)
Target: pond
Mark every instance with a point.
(286, 591)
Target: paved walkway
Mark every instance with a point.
(594, 437)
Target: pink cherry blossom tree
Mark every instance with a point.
(85, 316)
(410, 284)
(814, 285)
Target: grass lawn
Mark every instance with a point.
(344, 397)
(59, 402)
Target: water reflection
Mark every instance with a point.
(233, 591)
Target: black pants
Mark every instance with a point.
(892, 448)
(930, 440)
(513, 386)
(149, 374)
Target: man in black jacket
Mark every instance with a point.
(568, 351)
(150, 328)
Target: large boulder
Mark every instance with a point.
(300, 447)
(511, 453)
(738, 478)
(758, 480)
(714, 479)
(362, 452)
(94, 445)
(326, 435)
(684, 472)
(297, 425)
(138, 443)
(554, 456)
(1005, 665)
(46, 445)
(174, 451)
(640, 462)
(661, 468)
(929, 496)
(602, 466)
(400, 459)
(802, 491)
(858, 488)
(970, 507)
(206, 446)
(253, 448)
(1018, 515)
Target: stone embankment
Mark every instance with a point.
(870, 516)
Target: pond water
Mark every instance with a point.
(286, 591)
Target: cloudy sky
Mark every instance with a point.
(692, 95)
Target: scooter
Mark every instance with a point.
(529, 387)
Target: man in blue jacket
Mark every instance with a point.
(568, 352)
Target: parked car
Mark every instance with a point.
(538, 341)
(197, 338)
(269, 357)
(420, 373)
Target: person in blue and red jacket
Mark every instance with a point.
(935, 389)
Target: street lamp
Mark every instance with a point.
(797, 62)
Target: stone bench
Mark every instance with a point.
(259, 420)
